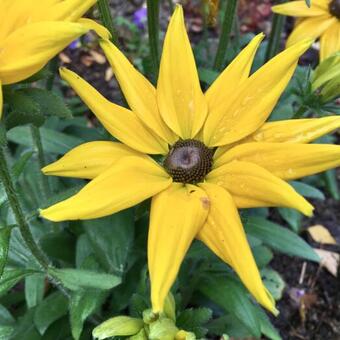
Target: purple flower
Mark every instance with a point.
(140, 17)
(74, 44)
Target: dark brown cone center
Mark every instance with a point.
(188, 161)
(334, 8)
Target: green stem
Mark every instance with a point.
(14, 203)
(275, 36)
(227, 26)
(106, 17)
(53, 67)
(153, 28)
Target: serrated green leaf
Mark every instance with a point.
(307, 190)
(5, 234)
(11, 277)
(274, 282)
(279, 238)
(34, 289)
(194, 320)
(49, 310)
(16, 118)
(75, 279)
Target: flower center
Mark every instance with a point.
(188, 161)
(334, 8)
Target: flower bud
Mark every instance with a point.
(170, 307)
(149, 316)
(183, 335)
(163, 329)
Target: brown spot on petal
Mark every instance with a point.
(205, 202)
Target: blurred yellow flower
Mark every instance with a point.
(218, 155)
(32, 32)
(321, 20)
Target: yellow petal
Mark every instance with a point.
(180, 99)
(310, 28)
(252, 186)
(29, 48)
(330, 41)
(285, 160)
(299, 9)
(102, 31)
(89, 160)
(295, 130)
(120, 122)
(255, 99)
(221, 91)
(123, 185)
(177, 214)
(223, 233)
(138, 91)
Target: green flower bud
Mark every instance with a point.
(118, 326)
(170, 307)
(139, 336)
(149, 316)
(183, 335)
(163, 329)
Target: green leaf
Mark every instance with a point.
(6, 332)
(5, 317)
(25, 327)
(232, 296)
(20, 164)
(48, 102)
(82, 305)
(11, 277)
(280, 238)
(292, 217)
(266, 326)
(206, 75)
(34, 289)
(49, 310)
(307, 190)
(111, 239)
(5, 234)
(332, 183)
(263, 255)
(274, 282)
(75, 279)
(193, 320)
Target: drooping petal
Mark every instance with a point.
(125, 184)
(299, 9)
(219, 93)
(285, 160)
(330, 41)
(89, 160)
(252, 186)
(310, 28)
(180, 99)
(102, 31)
(138, 91)
(29, 48)
(120, 122)
(223, 233)
(177, 214)
(295, 130)
(255, 99)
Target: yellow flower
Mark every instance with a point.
(321, 20)
(220, 155)
(32, 32)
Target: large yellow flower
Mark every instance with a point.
(322, 20)
(32, 32)
(219, 155)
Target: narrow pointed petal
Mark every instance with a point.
(180, 98)
(255, 99)
(253, 186)
(299, 9)
(311, 28)
(219, 94)
(295, 130)
(89, 160)
(330, 41)
(138, 91)
(120, 122)
(123, 185)
(223, 233)
(102, 31)
(285, 160)
(29, 48)
(177, 214)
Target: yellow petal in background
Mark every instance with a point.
(89, 160)
(252, 186)
(223, 233)
(299, 9)
(330, 41)
(177, 214)
(285, 160)
(29, 48)
(255, 98)
(120, 122)
(123, 185)
(310, 28)
(138, 91)
(180, 99)
(295, 130)
(102, 31)
(219, 94)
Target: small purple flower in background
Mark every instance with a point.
(74, 44)
(140, 17)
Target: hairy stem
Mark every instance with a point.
(106, 17)
(153, 28)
